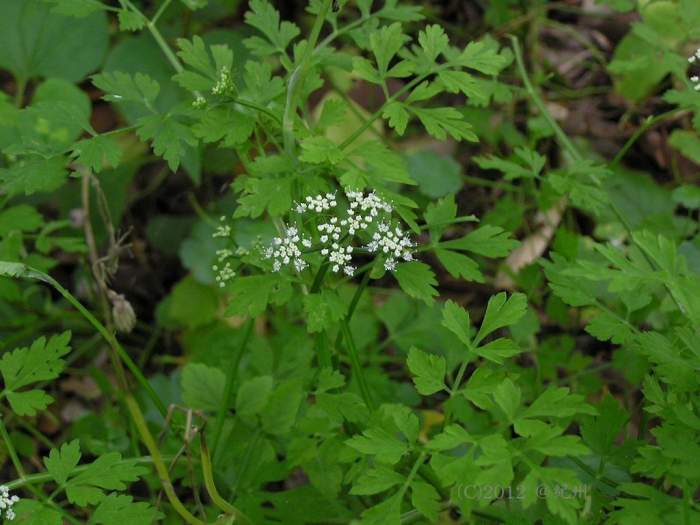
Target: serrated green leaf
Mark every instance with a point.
(417, 280)
(501, 311)
(252, 294)
(115, 509)
(107, 472)
(379, 443)
(169, 138)
(266, 19)
(97, 153)
(488, 240)
(375, 480)
(123, 87)
(323, 310)
(456, 320)
(34, 174)
(61, 462)
(428, 371)
(253, 395)
(42, 361)
(317, 150)
(203, 386)
(426, 500)
(441, 122)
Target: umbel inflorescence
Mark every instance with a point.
(333, 231)
(6, 503)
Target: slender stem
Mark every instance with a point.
(561, 136)
(11, 451)
(164, 47)
(357, 366)
(109, 337)
(209, 484)
(296, 80)
(228, 388)
(158, 463)
(648, 123)
(160, 11)
(20, 87)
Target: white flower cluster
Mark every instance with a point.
(337, 231)
(286, 250)
(224, 270)
(6, 503)
(224, 83)
(695, 79)
(319, 203)
(394, 245)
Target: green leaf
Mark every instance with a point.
(397, 115)
(280, 413)
(374, 481)
(61, 462)
(253, 395)
(456, 320)
(323, 310)
(318, 150)
(206, 66)
(417, 280)
(483, 56)
(35, 42)
(203, 386)
(428, 371)
(32, 512)
(687, 142)
(115, 509)
(460, 266)
(507, 396)
(451, 437)
(130, 21)
(600, 432)
(97, 153)
(34, 174)
(76, 8)
(385, 43)
(379, 443)
(688, 196)
(23, 218)
(436, 175)
(107, 472)
(266, 19)
(123, 87)
(529, 167)
(499, 350)
(488, 240)
(42, 361)
(252, 294)
(271, 194)
(558, 402)
(426, 500)
(169, 138)
(433, 41)
(441, 122)
(501, 311)
(225, 124)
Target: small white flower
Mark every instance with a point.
(224, 84)
(6, 503)
(695, 79)
(394, 244)
(286, 250)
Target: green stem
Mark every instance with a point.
(209, 484)
(109, 337)
(160, 11)
(158, 463)
(228, 388)
(648, 123)
(561, 136)
(296, 80)
(357, 366)
(20, 87)
(11, 451)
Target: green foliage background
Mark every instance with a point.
(535, 361)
